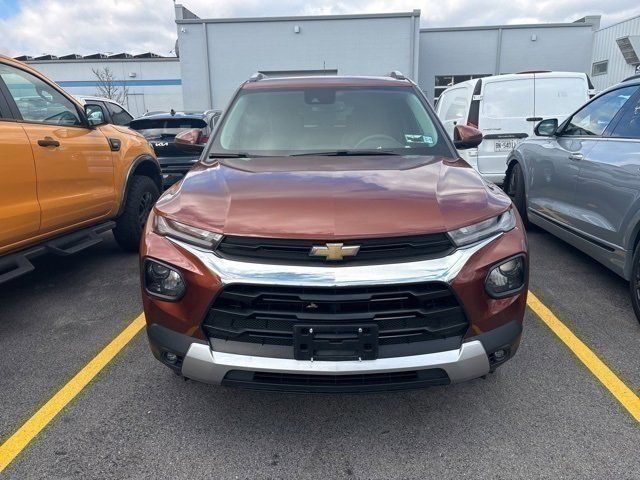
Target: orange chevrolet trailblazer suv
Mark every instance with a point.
(64, 179)
(331, 239)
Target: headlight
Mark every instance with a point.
(163, 281)
(479, 231)
(507, 278)
(196, 236)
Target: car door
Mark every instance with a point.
(119, 116)
(74, 165)
(19, 207)
(505, 106)
(608, 190)
(557, 161)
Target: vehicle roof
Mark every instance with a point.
(93, 97)
(324, 81)
(517, 76)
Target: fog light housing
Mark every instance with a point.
(507, 278)
(163, 281)
(171, 357)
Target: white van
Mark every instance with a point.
(506, 108)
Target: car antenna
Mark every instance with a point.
(172, 112)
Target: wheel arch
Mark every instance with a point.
(146, 166)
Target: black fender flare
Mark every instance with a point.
(150, 168)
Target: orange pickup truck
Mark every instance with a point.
(65, 178)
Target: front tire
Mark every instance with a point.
(515, 190)
(141, 197)
(634, 284)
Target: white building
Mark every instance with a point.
(151, 82)
(217, 55)
(616, 53)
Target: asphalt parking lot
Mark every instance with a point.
(544, 414)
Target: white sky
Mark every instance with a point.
(88, 26)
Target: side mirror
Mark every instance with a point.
(465, 137)
(95, 114)
(546, 128)
(190, 140)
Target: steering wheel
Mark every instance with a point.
(382, 141)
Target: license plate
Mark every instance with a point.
(335, 342)
(504, 145)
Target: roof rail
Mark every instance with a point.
(397, 75)
(633, 77)
(256, 77)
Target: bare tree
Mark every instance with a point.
(107, 87)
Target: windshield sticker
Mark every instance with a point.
(411, 138)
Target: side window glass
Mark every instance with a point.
(38, 101)
(629, 125)
(595, 117)
(119, 115)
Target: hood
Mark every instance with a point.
(333, 197)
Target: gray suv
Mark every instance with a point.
(580, 180)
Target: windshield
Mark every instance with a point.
(165, 127)
(302, 121)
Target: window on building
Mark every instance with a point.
(600, 68)
(445, 81)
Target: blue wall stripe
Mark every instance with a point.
(120, 83)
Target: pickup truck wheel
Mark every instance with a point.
(515, 190)
(141, 197)
(635, 283)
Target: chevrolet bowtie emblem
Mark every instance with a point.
(335, 251)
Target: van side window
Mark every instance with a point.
(38, 101)
(594, 118)
(629, 124)
(453, 105)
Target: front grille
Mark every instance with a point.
(403, 313)
(372, 251)
(336, 383)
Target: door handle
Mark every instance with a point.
(534, 119)
(48, 142)
(576, 156)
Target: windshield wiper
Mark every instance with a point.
(345, 153)
(231, 155)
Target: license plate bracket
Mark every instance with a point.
(335, 342)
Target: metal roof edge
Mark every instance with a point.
(307, 18)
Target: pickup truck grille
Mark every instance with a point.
(372, 250)
(403, 313)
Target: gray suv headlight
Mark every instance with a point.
(485, 229)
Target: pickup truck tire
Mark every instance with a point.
(141, 196)
(515, 189)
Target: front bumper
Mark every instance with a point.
(495, 324)
(197, 361)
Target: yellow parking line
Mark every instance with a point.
(10, 449)
(623, 394)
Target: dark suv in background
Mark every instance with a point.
(161, 130)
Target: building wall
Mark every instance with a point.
(155, 86)
(218, 55)
(507, 49)
(606, 48)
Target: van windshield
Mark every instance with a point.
(304, 121)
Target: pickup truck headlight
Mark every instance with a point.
(180, 231)
(485, 229)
